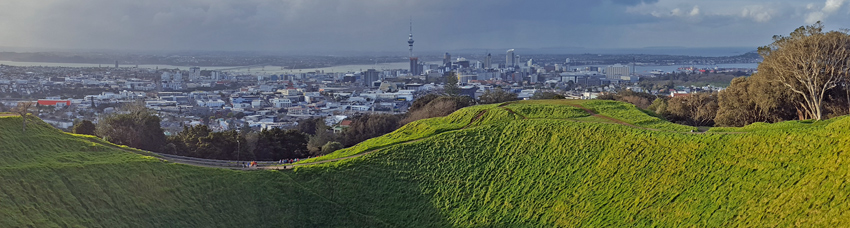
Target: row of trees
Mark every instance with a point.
(138, 127)
(812, 65)
(805, 75)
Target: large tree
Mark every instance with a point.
(365, 127)
(323, 135)
(755, 99)
(451, 88)
(276, 144)
(134, 126)
(809, 62)
(23, 109)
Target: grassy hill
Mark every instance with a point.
(537, 163)
(52, 179)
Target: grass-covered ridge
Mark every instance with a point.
(53, 179)
(497, 165)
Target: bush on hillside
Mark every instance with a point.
(84, 127)
(754, 99)
(436, 106)
(496, 96)
(640, 99)
(546, 96)
(697, 109)
(331, 147)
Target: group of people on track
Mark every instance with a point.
(287, 161)
(249, 164)
(253, 164)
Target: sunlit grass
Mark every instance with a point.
(482, 166)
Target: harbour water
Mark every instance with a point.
(268, 70)
(43, 64)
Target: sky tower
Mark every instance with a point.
(414, 62)
(410, 39)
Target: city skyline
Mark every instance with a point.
(381, 26)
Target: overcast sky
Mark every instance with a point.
(382, 25)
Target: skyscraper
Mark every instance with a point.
(488, 61)
(447, 60)
(517, 60)
(510, 58)
(370, 76)
(617, 70)
(414, 66)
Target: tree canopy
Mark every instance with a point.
(84, 127)
(754, 99)
(809, 62)
(23, 109)
(135, 126)
(496, 96)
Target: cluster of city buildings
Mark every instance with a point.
(215, 98)
(226, 100)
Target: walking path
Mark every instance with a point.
(620, 122)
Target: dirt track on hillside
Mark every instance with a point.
(620, 122)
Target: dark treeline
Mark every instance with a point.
(139, 127)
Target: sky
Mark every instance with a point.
(328, 26)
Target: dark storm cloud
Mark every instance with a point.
(381, 25)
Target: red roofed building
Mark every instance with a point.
(342, 126)
(674, 94)
(345, 123)
(58, 103)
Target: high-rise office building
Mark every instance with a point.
(447, 60)
(510, 58)
(615, 71)
(194, 73)
(517, 61)
(370, 76)
(414, 66)
(488, 61)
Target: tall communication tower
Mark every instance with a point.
(414, 62)
(410, 39)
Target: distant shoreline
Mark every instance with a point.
(269, 69)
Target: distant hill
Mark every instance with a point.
(674, 51)
(532, 163)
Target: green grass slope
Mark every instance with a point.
(53, 179)
(567, 172)
(540, 163)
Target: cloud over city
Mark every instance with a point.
(381, 25)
